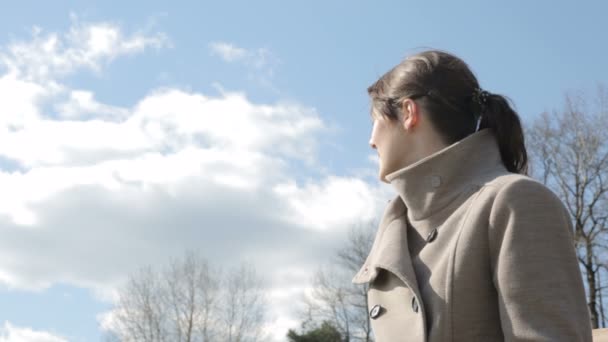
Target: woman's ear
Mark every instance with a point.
(410, 113)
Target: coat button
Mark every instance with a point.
(375, 312)
(432, 235)
(414, 304)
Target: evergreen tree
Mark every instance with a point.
(325, 333)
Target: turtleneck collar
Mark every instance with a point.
(433, 182)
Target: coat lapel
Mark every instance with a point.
(390, 249)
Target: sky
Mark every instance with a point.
(132, 132)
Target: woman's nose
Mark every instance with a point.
(371, 144)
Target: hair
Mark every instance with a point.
(444, 87)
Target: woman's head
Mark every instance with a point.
(435, 94)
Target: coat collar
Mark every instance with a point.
(433, 182)
(424, 188)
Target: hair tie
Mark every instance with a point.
(480, 97)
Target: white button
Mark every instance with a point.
(435, 181)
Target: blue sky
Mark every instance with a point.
(71, 231)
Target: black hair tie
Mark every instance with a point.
(480, 97)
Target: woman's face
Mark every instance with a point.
(388, 138)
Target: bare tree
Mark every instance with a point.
(351, 258)
(190, 301)
(569, 150)
(192, 294)
(334, 298)
(140, 313)
(245, 306)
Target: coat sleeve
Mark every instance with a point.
(535, 270)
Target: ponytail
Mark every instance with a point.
(504, 121)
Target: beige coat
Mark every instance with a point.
(499, 264)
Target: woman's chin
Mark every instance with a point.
(382, 176)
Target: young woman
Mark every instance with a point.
(470, 249)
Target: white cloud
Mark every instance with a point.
(261, 59)
(23, 105)
(84, 46)
(261, 62)
(100, 190)
(334, 202)
(256, 58)
(164, 121)
(82, 104)
(11, 333)
(228, 52)
(169, 136)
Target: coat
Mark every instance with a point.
(467, 251)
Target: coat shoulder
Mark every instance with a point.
(510, 192)
(510, 187)
(515, 195)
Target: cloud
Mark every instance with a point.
(169, 135)
(11, 333)
(81, 104)
(330, 203)
(100, 190)
(261, 62)
(259, 58)
(164, 121)
(228, 52)
(85, 45)
(23, 104)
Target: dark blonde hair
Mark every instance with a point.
(445, 87)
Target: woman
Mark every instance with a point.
(470, 249)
